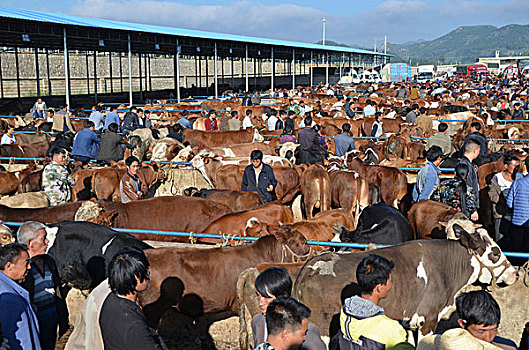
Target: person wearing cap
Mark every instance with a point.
(57, 182)
(363, 324)
(259, 177)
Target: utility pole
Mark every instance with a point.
(324, 23)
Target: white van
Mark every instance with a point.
(352, 77)
(366, 77)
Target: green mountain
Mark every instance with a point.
(465, 45)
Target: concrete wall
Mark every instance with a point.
(161, 76)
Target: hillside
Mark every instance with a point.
(465, 45)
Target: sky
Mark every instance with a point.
(351, 22)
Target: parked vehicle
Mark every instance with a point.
(425, 73)
(396, 72)
(351, 77)
(473, 70)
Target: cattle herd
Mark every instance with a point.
(361, 197)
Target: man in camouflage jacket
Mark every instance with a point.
(56, 181)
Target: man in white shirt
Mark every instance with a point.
(9, 138)
(247, 121)
(369, 109)
(272, 120)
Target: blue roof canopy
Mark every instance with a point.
(38, 16)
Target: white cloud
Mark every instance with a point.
(400, 20)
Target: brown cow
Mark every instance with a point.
(31, 150)
(175, 271)
(392, 182)
(160, 213)
(235, 200)
(349, 191)
(388, 125)
(435, 220)
(320, 227)
(198, 138)
(235, 223)
(315, 186)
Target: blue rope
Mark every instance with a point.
(251, 239)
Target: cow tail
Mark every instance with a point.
(326, 194)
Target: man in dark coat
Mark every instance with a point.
(310, 150)
(130, 122)
(259, 177)
(471, 152)
(111, 147)
(476, 136)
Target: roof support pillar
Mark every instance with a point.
(87, 73)
(341, 65)
(66, 71)
(110, 72)
(141, 77)
(177, 71)
(2, 79)
(17, 71)
(130, 72)
(327, 70)
(273, 70)
(246, 69)
(311, 70)
(47, 74)
(216, 73)
(95, 76)
(37, 73)
(293, 69)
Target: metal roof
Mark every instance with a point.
(54, 18)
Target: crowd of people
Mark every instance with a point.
(32, 297)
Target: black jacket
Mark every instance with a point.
(481, 141)
(60, 293)
(123, 325)
(111, 146)
(279, 124)
(130, 122)
(266, 178)
(472, 178)
(290, 122)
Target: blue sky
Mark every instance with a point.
(348, 21)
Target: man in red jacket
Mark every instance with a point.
(211, 121)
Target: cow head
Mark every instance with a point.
(295, 243)
(462, 221)
(287, 151)
(6, 236)
(488, 261)
(257, 137)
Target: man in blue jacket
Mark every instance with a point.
(19, 322)
(518, 200)
(259, 177)
(343, 142)
(86, 144)
(112, 117)
(428, 176)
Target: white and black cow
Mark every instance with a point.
(427, 276)
(379, 223)
(82, 251)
